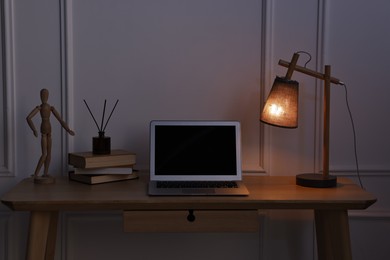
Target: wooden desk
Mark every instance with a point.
(278, 192)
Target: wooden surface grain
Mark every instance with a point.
(266, 192)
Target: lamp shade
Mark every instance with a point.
(281, 107)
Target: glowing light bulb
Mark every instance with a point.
(275, 110)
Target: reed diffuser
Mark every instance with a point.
(101, 144)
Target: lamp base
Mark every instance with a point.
(316, 180)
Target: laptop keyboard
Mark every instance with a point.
(196, 184)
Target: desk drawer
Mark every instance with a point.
(204, 221)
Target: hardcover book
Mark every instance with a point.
(104, 170)
(86, 160)
(101, 178)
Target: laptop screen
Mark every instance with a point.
(195, 150)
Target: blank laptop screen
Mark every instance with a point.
(195, 150)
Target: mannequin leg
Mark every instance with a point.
(42, 159)
(48, 155)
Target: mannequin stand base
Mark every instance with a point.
(44, 179)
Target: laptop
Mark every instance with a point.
(195, 158)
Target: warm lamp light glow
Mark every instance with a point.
(275, 110)
(281, 108)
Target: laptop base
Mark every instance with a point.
(154, 190)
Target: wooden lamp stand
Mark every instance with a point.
(324, 180)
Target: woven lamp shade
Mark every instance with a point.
(281, 107)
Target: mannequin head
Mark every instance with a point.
(44, 95)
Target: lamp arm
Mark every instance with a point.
(327, 81)
(309, 72)
(292, 65)
(323, 180)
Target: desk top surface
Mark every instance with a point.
(266, 192)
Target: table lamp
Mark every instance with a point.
(281, 109)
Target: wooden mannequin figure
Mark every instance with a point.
(45, 110)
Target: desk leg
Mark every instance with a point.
(42, 235)
(333, 239)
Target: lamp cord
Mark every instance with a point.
(354, 135)
(308, 54)
(352, 122)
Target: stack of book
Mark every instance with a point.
(93, 168)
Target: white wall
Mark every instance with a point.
(203, 59)
(198, 60)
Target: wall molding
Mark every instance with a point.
(369, 214)
(68, 217)
(266, 78)
(67, 82)
(364, 171)
(7, 38)
(319, 105)
(66, 48)
(4, 235)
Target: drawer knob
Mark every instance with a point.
(191, 216)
